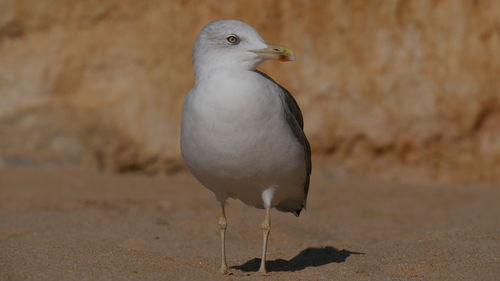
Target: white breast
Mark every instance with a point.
(235, 138)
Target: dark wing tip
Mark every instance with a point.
(297, 213)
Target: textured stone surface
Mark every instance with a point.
(390, 88)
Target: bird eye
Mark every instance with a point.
(233, 39)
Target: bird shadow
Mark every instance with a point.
(310, 257)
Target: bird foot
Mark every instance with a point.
(262, 270)
(224, 270)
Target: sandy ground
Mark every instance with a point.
(79, 225)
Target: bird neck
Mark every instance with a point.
(208, 64)
(204, 70)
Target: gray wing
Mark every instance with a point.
(294, 119)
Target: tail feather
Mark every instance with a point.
(291, 206)
(297, 212)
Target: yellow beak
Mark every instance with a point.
(276, 52)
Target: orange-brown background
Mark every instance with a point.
(407, 89)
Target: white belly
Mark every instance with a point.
(237, 143)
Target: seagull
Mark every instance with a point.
(242, 133)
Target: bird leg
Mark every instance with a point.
(222, 227)
(266, 228)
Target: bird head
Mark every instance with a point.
(234, 44)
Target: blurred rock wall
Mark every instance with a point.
(407, 89)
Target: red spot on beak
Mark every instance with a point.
(283, 58)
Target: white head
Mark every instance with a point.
(233, 44)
